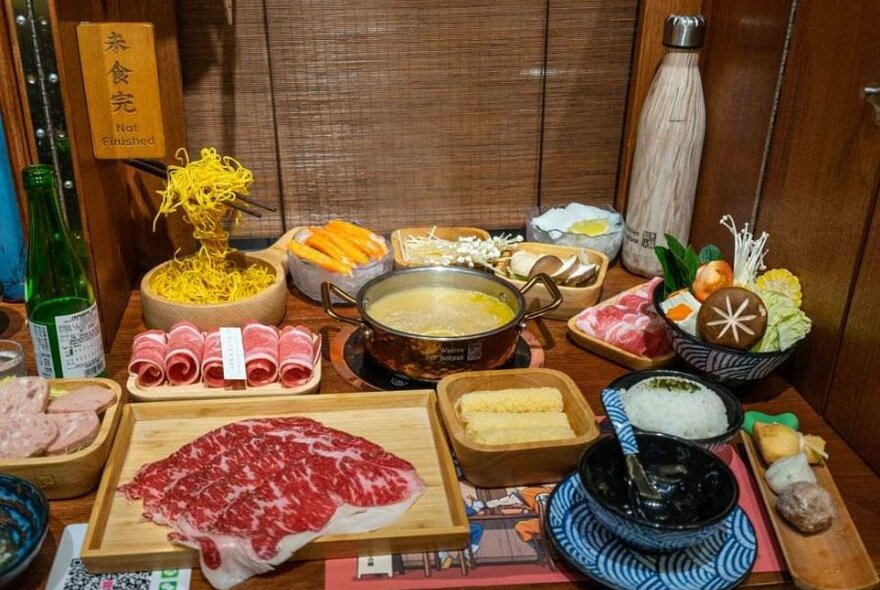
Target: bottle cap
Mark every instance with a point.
(684, 31)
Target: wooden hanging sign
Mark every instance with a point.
(122, 89)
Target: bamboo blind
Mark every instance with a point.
(402, 112)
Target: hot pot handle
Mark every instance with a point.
(551, 288)
(326, 289)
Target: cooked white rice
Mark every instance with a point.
(675, 406)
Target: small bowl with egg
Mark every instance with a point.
(579, 273)
(512, 427)
(580, 226)
(24, 512)
(682, 405)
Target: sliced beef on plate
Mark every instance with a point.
(212, 361)
(76, 430)
(148, 358)
(260, 353)
(299, 351)
(25, 435)
(24, 395)
(183, 355)
(88, 398)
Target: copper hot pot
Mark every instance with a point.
(432, 357)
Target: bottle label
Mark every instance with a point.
(42, 349)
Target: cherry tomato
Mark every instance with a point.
(711, 277)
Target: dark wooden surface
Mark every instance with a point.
(859, 486)
(823, 173)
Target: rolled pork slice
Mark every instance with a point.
(260, 353)
(24, 395)
(88, 398)
(26, 436)
(297, 349)
(212, 361)
(148, 358)
(183, 357)
(76, 430)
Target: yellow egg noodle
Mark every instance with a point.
(202, 189)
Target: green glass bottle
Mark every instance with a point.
(62, 313)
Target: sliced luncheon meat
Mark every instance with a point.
(183, 357)
(260, 353)
(89, 398)
(26, 436)
(76, 430)
(212, 361)
(148, 358)
(25, 395)
(298, 351)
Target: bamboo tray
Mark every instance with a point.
(614, 353)
(405, 423)
(574, 299)
(171, 393)
(834, 559)
(267, 306)
(452, 234)
(73, 474)
(498, 466)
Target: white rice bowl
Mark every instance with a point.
(676, 406)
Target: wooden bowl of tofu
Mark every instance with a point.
(494, 450)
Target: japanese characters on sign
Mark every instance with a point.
(123, 96)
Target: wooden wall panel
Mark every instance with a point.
(853, 404)
(823, 172)
(228, 95)
(740, 66)
(406, 112)
(588, 61)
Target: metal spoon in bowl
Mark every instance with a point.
(647, 502)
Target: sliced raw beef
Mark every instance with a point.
(89, 398)
(298, 350)
(249, 494)
(629, 323)
(76, 430)
(24, 435)
(183, 356)
(24, 395)
(260, 353)
(148, 358)
(212, 361)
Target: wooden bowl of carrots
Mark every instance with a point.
(340, 252)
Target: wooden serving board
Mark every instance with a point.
(171, 393)
(73, 474)
(834, 559)
(405, 423)
(614, 353)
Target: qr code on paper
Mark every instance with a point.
(80, 579)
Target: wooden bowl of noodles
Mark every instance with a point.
(268, 306)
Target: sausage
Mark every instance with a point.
(24, 395)
(76, 430)
(88, 398)
(26, 436)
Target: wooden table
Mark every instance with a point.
(858, 484)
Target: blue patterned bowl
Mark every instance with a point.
(732, 405)
(697, 482)
(719, 363)
(24, 520)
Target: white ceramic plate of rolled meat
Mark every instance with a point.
(185, 363)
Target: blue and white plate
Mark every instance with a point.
(719, 563)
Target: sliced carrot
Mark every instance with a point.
(350, 248)
(363, 238)
(309, 254)
(322, 244)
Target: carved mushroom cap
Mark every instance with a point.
(732, 317)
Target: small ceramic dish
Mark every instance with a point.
(608, 243)
(574, 299)
(689, 477)
(498, 466)
(719, 363)
(400, 236)
(732, 405)
(24, 513)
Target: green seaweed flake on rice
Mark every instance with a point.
(675, 406)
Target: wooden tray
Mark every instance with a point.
(574, 299)
(498, 466)
(835, 559)
(614, 353)
(405, 423)
(175, 393)
(399, 236)
(73, 474)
